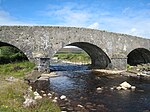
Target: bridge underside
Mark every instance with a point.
(99, 58)
(138, 56)
(5, 44)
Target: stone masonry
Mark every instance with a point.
(40, 43)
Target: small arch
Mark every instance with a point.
(99, 59)
(16, 54)
(138, 56)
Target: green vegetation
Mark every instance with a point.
(129, 67)
(74, 57)
(17, 69)
(10, 54)
(14, 64)
(12, 92)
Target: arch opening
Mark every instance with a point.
(138, 56)
(98, 58)
(10, 53)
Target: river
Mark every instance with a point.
(80, 87)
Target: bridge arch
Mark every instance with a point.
(11, 45)
(138, 56)
(99, 59)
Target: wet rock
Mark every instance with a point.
(49, 94)
(118, 88)
(63, 97)
(124, 88)
(99, 89)
(93, 109)
(80, 106)
(125, 85)
(38, 97)
(54, 100)
(133, 87)
(42, 91)
(77, 108)
(89, 106)
(44, 95)
(112, 88)
(30, 89)
(70, 108)
(36, 93)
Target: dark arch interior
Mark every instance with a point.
(138, 56)
(10, 53)
(99, 58)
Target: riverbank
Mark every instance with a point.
(13, 89)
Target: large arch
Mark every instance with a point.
(138, 56)
(99, 58)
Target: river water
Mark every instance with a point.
(80, 87)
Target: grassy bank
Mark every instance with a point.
(12, 92)
(74, 57)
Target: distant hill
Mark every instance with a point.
(74, 50)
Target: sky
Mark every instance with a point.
(121, 16)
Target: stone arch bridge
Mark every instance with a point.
(106, 49)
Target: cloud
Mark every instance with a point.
(68, 15)
(94, 26)
(130, 21)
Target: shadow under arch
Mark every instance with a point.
(99, 58)
(138, 56)
(19, 56)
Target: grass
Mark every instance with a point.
(74, 57)
(11, 93)
(16, 69)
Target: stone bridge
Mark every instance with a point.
(106, 49)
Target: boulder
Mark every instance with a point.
(29, 102)
(63, 97)
(38, 97)
(99, 89)
(125, 85)
(118, 88)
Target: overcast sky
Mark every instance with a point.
(122, 16)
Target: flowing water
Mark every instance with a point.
(81, 88)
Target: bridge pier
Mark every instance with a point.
(119, 62)
(43, 64)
